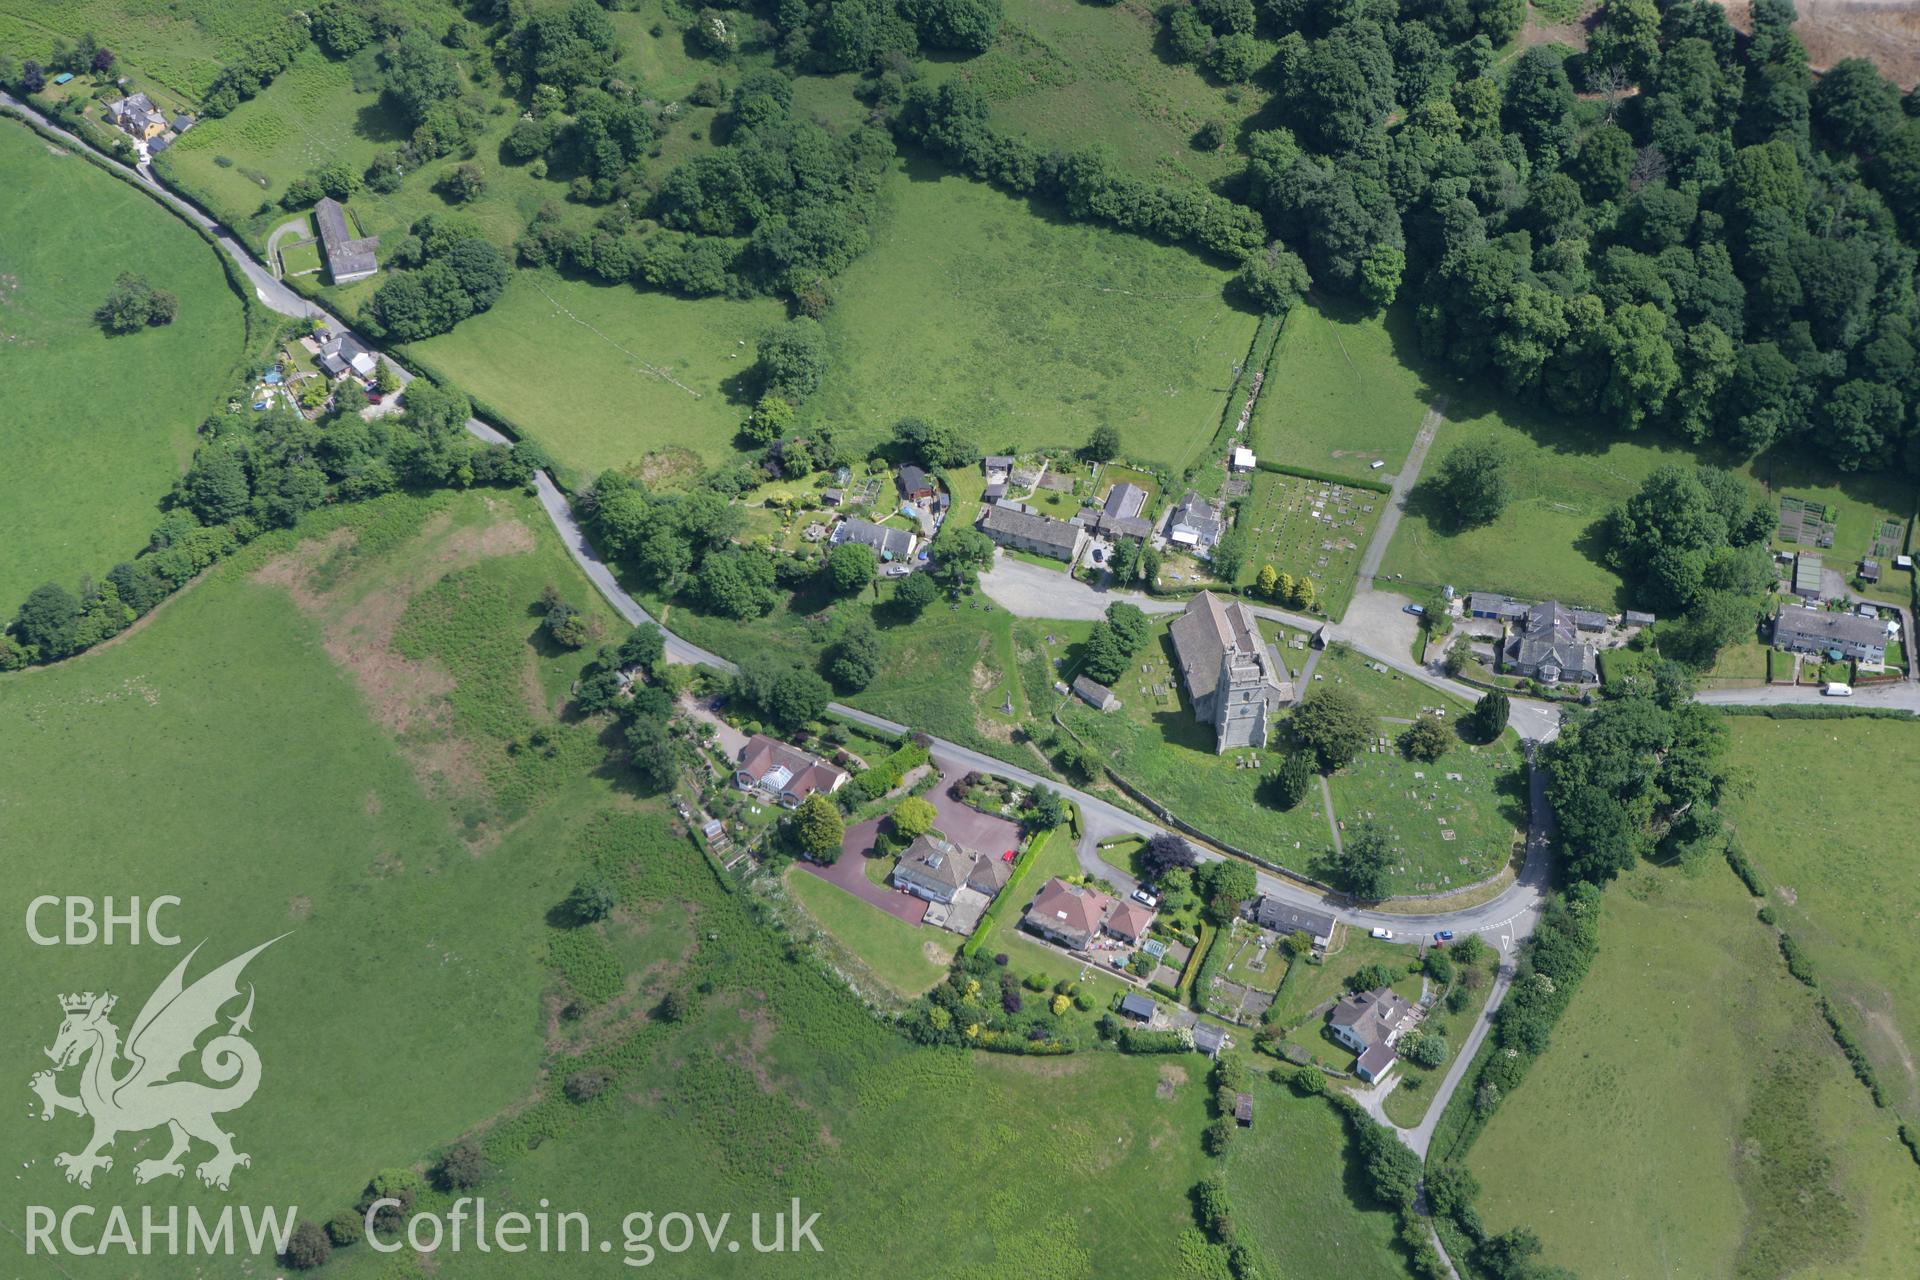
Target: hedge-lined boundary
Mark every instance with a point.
(1011, 893)
(1308, 473)
(1804, 711)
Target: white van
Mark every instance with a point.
(1375, 465)
(1838, 691)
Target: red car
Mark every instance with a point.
(1008, 856)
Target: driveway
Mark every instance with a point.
(850, 873)
(966, 826)
(1403, 483)
(1029, 591)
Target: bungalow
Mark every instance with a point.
(343, 354)
(1068, 914)
(1139, 1007)
(1798, 629)
(1370, 1023)
(783, 774)
(1284, 918)
(989, 875)
(1042, 535)
(1129, 921)
(915, 485)
(1195, 524)
(889, 544)
(933, 869)
(1125, 500)
(348, 257)
(1095, 694)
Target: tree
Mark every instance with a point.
(856, 657)
(465, 184)
(48, 619)
(793, 358)
(736, 584)
(1131, 626)
(1425, 1048)
(1273, 279)
(592, 899)
(1229, 554)
(771, 419)
(1164, 852)
(1333, 723)
(33, 77)
(1106, 658)
(1103, 444)
(1225, 883)
(913, 817)
(936, 444)
(818, 828)
(1426, 739)
(1045, 810)
(1288, 784)
(960, 552)
(1267, 582)
(308, 1247)
(463, 1167)
(1363, 865)
(789, 696)
(133, 304)
(849, 567)
(1471, 485)
(1488, 719)
(1628, 37)
(915, 592)
(672, 1007)
(1854, 105)
(567, 625)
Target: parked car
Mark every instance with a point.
(1445, 935)
(1837, 690)
(1385, 935)
(1145, 898)
(1417, 610)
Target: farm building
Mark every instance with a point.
(783, 774)
(1042, 535)
(1798, 629)
(914, 484)
(1488, 604)
(348, 258)
(1236, 681)
(1095, 694)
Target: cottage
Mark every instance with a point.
(1095, 694)
(342, 354)
(1241, 460)
(1068, 914)
(914, 484)
(1236, 681)
(1112, 526)
(888, 543)
(1129, 921)
(136, 114)
(1283, 918)
(1547, 647)
(1195, 523)
(1041, 535)
(1138, 1007)
(1808, 574)
(783, 774)
(348, 257)
(933, 869)
(1798, 629)
(1370, 1023)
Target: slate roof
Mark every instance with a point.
(1197, 515)
(1551, 637)
(912, 479)
(346, 256)
(1821, 629)
(887, 543)
(1208, 1038)
(1283, 917)
(1094, 693)
(1125, 500)
(1492, 603)
(1207, 632)
(1374, 1018)
(935, 863)
(1032, 528)
(1135, 1005)
(998, 462)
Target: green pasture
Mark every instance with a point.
(906, 958)
(1344, 391)
(1023, 329)
(181, 43)
(97, 427)
(1693, 1091)
(1823, 826)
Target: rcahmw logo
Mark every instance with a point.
(130, 1086)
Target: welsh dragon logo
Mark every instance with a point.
(146, 1095)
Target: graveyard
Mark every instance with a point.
(1313, 528)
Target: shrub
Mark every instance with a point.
(345, 1227)
(1218, 1136)
(1425, 1048)
(1798, 963)
(585, 1086)
(463, 1166)
(1737, 859)
(1309, 1081)
(309, 1246)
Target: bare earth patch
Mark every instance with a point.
(1171, 1078)
(1886, 32)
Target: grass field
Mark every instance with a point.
(1822, 823)
(1309, 1219)
(604, 374)
(224, 752)
(1017, 327)
(181, 43)
(1344, 391)
(1693, 1091)
(1064, 75)
(906, 958)
(97, 427)
(1312, 529)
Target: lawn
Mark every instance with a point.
(97, 427)
(1344, 391)
(224, 752)
(1407, 1105)
(1312, 529)
(1022, 329)
(1874, 509)
(1066, 75)
(604, 375)
(1833, 843)
(1308, 1218)
(906, 958)
(1693, 1091)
